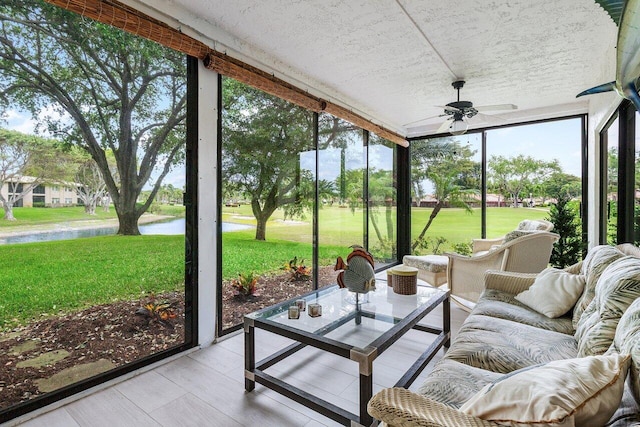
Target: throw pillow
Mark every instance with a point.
(627, 341)
(532, 225)
(553, 293)
(592, 267)
(582, 391)
(515, 234)
(617, 287)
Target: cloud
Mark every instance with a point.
(23, 121)
(19, 121)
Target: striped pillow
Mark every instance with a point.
(617, 287)
(593, 265)
(627, 341)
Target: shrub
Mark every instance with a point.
(568, 249)
(160, 312)
(462, 248)
(245, 285)
(431, 245)
(299, 271)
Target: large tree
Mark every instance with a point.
(27, 161)
(561, 183)
(111, 91)
(262, 140)
(511, 175)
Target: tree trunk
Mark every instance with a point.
(90, 208)
(8, 211)
(374, 222)
(389, 218)
(261, 228)
(434, 213)
(262, 214)
(343, 175)
(128, 221)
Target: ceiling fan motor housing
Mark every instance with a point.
(463, 107)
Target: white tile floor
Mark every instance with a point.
(206, 387)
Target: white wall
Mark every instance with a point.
(207, 203)
(601, 107)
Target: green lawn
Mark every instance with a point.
(241, 253)
(458, 226)
(341, 227)
(39, 216)
(40, 279)
(35, 216)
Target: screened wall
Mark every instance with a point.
(483, 183)
(298, 190)
(619, 177)
(93, 284)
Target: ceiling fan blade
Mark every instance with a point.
(421, 120)
(491, 118)
(445, 125)
(499, 107)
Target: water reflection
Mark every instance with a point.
(172, 227)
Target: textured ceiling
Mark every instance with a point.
(394, 61)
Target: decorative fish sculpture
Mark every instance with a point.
(358, 275)
(627, 57)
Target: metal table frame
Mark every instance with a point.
(254, 371)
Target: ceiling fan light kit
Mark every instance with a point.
(458, 127)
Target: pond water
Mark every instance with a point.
(171, 227)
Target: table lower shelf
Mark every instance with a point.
(257, 375)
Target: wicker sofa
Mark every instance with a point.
(503, 337)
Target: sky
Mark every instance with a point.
(559, 140)
(547, 141)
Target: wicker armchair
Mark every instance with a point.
(529, 253)
(398, 407)
(480, 246)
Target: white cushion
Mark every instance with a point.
(553, 293)
(571, 392)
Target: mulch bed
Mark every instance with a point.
(271, 290)
(114, 333)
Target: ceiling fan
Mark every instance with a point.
(458, 110)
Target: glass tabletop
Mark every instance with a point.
(345, 320)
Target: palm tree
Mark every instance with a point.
(444, 178)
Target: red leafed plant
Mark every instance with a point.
(298, 271)
(245, 285)
(160, 312)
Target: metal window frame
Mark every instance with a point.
(483, 131)
(191, 272)
(625, 221)
(403, 211)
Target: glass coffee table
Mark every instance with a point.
(359, 329)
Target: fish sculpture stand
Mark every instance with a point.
(357, 274)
